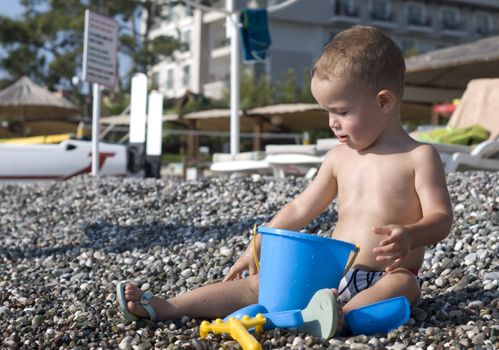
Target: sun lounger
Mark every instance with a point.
(302, 160)
(484, 156)
(279, 160)
(244, 162)
(446, 151)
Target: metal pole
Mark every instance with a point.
(95, 129)
(234, 79)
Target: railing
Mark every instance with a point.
(383, 17)
(485, 31)
(221, 43)
(420, 22)
(347, 12)
(453, 26)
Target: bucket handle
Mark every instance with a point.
(349, 264)
(351, 260)
(255, 257)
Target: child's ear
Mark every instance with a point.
(386, 100)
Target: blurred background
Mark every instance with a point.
(185, 53)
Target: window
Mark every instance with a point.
(416, 14)
(169, 79)
(380, 10)
(186, 76)
(450, 18)
(169, 14)
(185, 39)
(155, 80)
(483, 23)
(345, 8)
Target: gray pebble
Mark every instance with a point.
(298, 342)
(470, 258)
(228, 252)
(126, 343)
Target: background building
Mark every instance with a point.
(300, 31)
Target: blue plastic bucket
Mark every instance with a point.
(293, 266)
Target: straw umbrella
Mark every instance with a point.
(25, 101)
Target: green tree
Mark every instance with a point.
(305, 92)
(254, 93)
(287, 88)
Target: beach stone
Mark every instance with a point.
(186, 273)
(228, 252)
(198, 344)
(200, 245)
(129, 261)
(144, 346)
(440, 282)
(126, 343)
(298, 342)
(470, 258)
(478, 339)
(375, 342)
(37, 321)
(185, 319)
(491, 275)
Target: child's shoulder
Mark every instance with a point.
(335, 156)
(340, 150)
(425, 157)
(423, 151)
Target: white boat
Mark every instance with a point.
(35, 162)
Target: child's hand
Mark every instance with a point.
(245, 262)
(394, 248)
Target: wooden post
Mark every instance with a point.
(435, 118)
(257, 131)
(191, 142)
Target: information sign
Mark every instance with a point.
(99, 50)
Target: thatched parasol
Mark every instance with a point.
(25, 101)
(453, 67)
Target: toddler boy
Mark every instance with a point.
(392, 194)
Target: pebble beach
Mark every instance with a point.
(65, 245)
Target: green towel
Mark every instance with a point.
(458, 136)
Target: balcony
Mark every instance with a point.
(216, 89)
(220, 52)
(483, 31)
(453, 28)
(221, 43)
(383, 19)
(348, 16)
(417, 24)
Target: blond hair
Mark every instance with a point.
(364, 55)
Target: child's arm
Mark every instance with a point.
(297, 213)
(312, 201)
(436, 208)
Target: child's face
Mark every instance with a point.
(354, 113)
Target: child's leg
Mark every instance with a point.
(400, 282)
(210, 301)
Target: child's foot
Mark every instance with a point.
(132, 296)
(134, 303)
